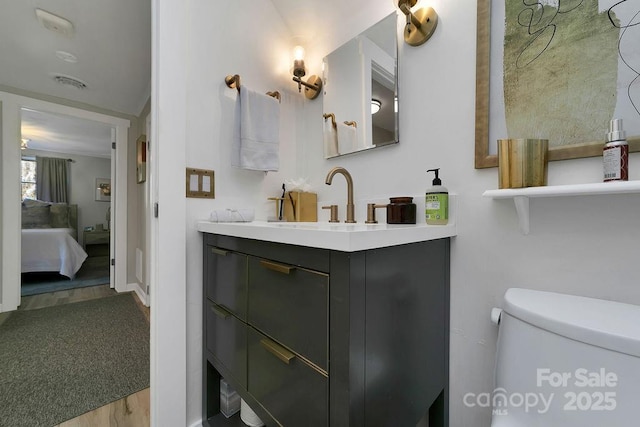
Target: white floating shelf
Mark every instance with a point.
(521, 196)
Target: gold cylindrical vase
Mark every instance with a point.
(522, 162)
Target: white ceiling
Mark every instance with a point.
(65, 134)
(112, 43)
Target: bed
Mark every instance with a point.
(49, 238)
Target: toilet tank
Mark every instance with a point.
(567, 361)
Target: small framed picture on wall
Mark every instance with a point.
(103, 190)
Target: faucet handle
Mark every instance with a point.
(371, 213)
(334, 212)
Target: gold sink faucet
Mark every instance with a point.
(347, 176)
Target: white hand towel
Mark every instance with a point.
(330, 136)
(347, 138)
(232, 215)
(258, 145)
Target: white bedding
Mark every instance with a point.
(51, 249)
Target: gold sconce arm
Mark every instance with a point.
(312, 87)
(420, 25)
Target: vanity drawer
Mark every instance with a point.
(295, 393)
(227, 280)
(227, 340)
(290, 304)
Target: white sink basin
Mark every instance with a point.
(336, 236)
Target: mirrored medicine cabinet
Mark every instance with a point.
(360, 77)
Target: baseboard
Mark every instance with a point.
(135, 287)
(196, 424)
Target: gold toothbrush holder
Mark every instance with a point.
(298, 206)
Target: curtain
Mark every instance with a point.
(52, 179)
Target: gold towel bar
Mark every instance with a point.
(353, 123)
(333, 119)
(275, 94)
(233, 81)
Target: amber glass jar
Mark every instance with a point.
(401, 210)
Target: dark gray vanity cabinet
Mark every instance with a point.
(315, 337)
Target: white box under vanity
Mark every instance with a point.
(327, 325)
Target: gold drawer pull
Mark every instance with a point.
(220, 312)
(219, 251)
(280, 268)
(278, 351)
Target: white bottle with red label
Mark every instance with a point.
(615, 154)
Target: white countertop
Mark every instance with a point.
(335, 236)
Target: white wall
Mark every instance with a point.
(581, 245)
(220, 46)
(84, 170)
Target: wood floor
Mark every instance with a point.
(131, 411)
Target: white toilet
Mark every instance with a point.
(565, 361)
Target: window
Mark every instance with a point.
(28, 178)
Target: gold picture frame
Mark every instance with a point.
(141, 159)
(483, 71)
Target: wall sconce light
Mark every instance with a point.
(375, 106)
(313, 85)
(420, 25)
(24, 144)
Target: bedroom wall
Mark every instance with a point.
(84, 171)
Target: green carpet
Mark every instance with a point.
(59, 362)
(94, 272)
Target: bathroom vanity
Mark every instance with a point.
(318, 325)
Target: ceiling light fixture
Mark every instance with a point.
(420, 25)
(375, 106)
(313, 85)
(24, 143)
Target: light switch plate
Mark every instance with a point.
(200, 183)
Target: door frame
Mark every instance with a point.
(10, 118)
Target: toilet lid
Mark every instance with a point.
(607, 324)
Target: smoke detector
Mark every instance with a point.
(69, 81)
(55, 23)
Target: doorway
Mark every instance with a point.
(66, 208)
(12, 107)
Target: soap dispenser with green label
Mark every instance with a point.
(437, 202)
